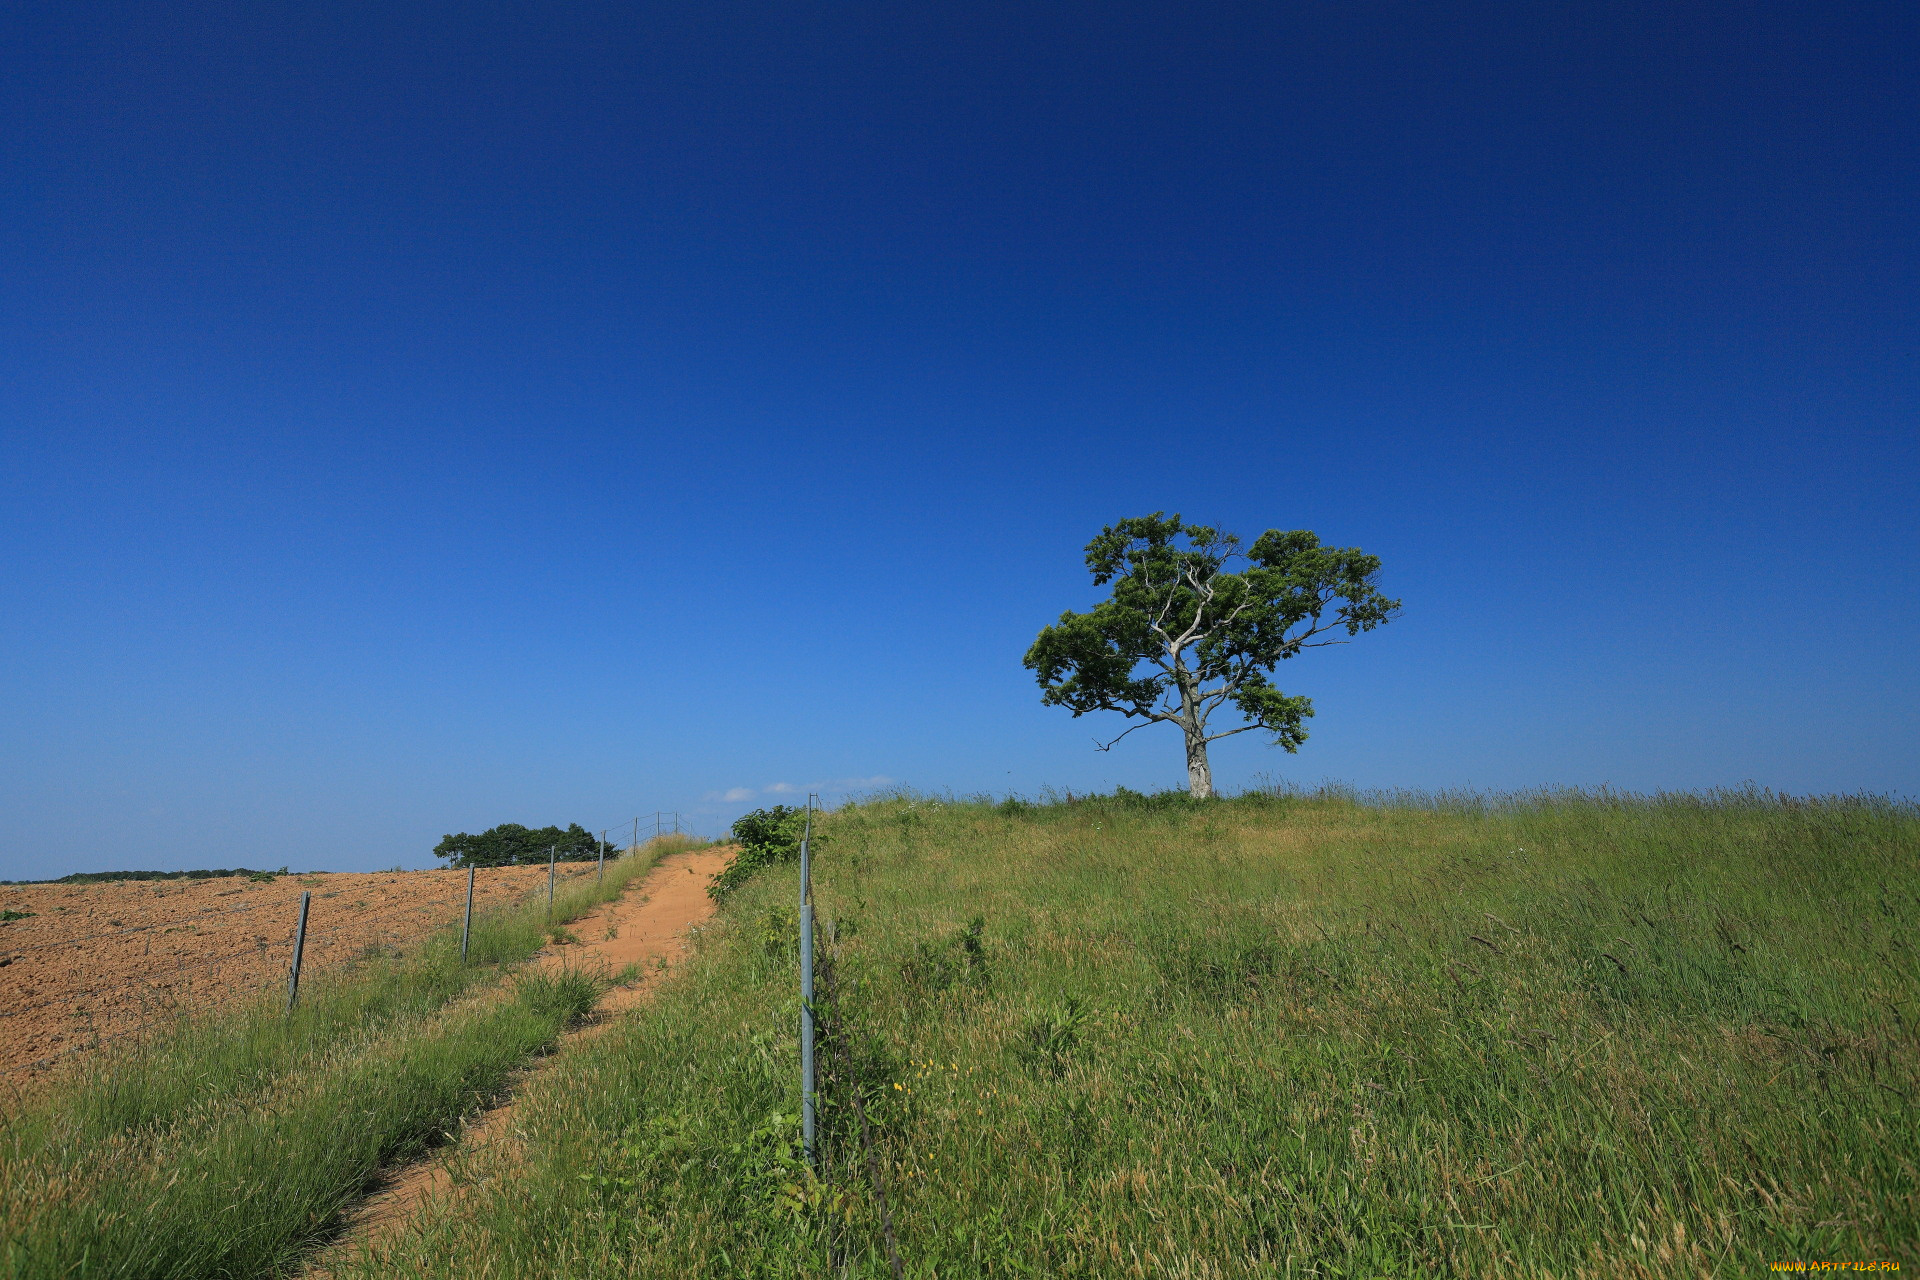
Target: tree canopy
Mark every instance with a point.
(510, 843)
(1186, 632)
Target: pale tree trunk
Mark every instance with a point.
(1199, 773)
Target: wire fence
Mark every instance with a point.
(836, 1134)
(67, 994)
(647, 827)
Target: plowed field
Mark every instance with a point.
(97, 962)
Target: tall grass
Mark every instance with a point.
(1560, 1035)
(232, 1142)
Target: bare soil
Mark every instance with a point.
(97, 963)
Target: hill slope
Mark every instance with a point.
(1576, 1036)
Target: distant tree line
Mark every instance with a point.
(511, 844)
(97, 877)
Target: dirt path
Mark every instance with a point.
(645, 927)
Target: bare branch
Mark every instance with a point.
(1108, 746)
(1215, 697)
(1245, 728)
(1206, 593)
(1300, 641)
(1237, 610)
(1158, 622)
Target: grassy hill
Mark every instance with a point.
(1131, 1036)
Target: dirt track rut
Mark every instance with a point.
(646, 926)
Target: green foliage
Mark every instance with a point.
(774, 831)
(780, 933)
(511, 844)
(1182, 635)
(644, 1155)
(10, 915)
(767, 837)
(770, 1163)
(1338, 1037)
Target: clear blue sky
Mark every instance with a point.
(418, 417)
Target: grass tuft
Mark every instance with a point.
(567, 994)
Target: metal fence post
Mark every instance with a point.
(466, 926)
(808, 1121)
(550, 855)
(299, 948)
(603, 858)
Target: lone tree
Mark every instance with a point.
(1181, 634)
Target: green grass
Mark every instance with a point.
(232, 1143)
(1577, 1035)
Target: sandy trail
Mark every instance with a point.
(645, 927)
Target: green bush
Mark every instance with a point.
(767, 837)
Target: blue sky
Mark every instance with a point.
(417, 417)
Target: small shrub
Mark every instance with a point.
(645, 1155)
(779, 934)
(767, 837)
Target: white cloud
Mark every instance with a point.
(839, 786)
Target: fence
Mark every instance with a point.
(64, 992)
(663, 823)
(843, 1149)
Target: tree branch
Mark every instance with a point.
(1205, 593)
(1231, 680)
(1099, 746)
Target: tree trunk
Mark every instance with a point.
(1199, 772)
(1194, 725)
